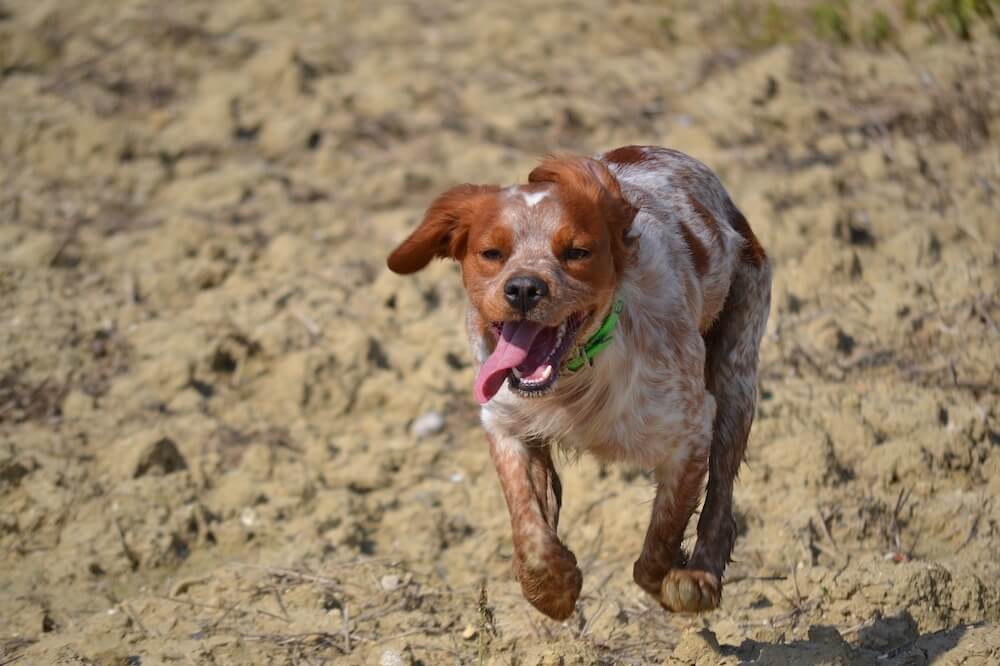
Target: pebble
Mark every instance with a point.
(425, 425)
(391, 658)
(389, 582)
(248, 517)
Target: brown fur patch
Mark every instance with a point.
(626, 155)
(753, 253)
(705, 216)
(698, 253)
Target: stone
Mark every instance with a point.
(427, 424)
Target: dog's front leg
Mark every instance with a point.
(546, 569)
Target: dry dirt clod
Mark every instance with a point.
(160, 457)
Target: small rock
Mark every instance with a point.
(470, 632)
(391, 658)
(248, 517)
(389, 582)
(427, 425)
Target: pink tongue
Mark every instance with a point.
(512, 348)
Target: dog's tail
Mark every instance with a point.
(732, 346)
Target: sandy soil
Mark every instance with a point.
(229, 435)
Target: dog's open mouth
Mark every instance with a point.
(527, 356)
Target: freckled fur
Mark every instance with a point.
(675, 390)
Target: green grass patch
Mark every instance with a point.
(757, 25)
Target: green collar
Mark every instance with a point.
(599, 340)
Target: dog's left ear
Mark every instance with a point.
(445, 228)
(591, 182)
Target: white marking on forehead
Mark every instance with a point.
(533, 198)
(533, 226)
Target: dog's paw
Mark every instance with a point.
(690, 591)
(551, 581)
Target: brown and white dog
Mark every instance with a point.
(643, 248)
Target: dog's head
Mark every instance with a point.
(539, 262)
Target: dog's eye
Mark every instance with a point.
(576, 253)
(492, 255)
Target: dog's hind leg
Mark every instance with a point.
(678, 488)
(732, 346)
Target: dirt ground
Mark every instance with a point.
(229, 435)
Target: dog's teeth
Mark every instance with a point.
(516, 372)
(547, 373)
(559, 337)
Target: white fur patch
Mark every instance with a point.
(533, 198)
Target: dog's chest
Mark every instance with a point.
(626, 408)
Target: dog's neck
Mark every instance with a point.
(603, 337)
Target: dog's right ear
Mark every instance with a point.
(445, 228)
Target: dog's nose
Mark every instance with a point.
(524, 292)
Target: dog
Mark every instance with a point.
(617, 306)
